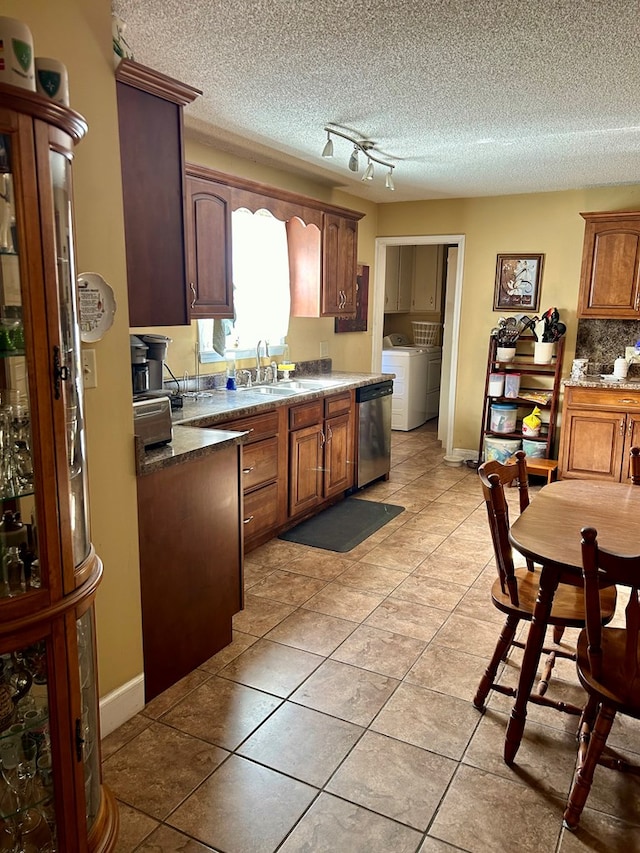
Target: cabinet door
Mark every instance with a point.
(304, 243)
(391, 279)
(339, 260)
(209, 248)
(427, 279)
(305, 468)
(593, 444)
(609, 281)
(405, 278)
(338, 474)
(632, 440)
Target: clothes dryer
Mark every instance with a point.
(416, 387)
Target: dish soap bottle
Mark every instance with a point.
(230, 355)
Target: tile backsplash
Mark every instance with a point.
(602, 341)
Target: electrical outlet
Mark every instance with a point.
(89, 370)
(324, 349)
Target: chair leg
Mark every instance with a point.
(558, 631)
(583, 778)
(502, 647)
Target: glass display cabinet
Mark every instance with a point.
(51, 795)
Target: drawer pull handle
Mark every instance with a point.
(248, 470)
(247, 519)
(629, 401)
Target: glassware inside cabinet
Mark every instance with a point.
(88, 723)
(27, 814)
(70, 361)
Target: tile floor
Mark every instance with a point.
(340, 717)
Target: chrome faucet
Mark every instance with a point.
(259, 376)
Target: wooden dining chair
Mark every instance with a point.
(608, 667)
(514, 591)
(634, 465)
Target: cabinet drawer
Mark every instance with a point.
(604, 398)
(337, 404)
(259, 463)
(260, 510)
(258, 426)
(306, 414)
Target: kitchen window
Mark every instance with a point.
(260, 288)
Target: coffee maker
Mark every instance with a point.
(148, 354)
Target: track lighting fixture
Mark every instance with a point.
(367, 147)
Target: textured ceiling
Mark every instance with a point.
(466, 97)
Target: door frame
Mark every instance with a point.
(451, 317)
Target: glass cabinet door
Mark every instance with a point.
(19, 566)
(68, 366)
(27, 813)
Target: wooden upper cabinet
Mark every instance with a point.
(209, 248)
(339, 261)
(150, 108)
(610, 277)
(304, 242)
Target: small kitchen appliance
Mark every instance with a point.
(152, 420)
(139, 365)
(148, 353)
(156, 355)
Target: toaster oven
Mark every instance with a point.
(152, 420)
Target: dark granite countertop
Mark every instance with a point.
(594, 381)
(205, 411)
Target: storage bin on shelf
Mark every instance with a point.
(426, 334)
(500, 449)
(534, 449)
(503, 417)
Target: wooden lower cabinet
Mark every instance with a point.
(190, 563)
(599, 428)
(321, 451)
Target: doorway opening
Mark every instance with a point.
(451, 329)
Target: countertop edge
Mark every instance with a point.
(220, 406)
(594, 382)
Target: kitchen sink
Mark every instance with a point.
(309, 384)
(271, 390)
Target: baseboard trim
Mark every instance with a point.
(121, 704)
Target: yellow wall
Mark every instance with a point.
(543, 222)
(79, 33)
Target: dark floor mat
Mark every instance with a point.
(343, 526)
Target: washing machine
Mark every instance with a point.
(416, 388)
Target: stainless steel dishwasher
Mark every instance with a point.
(374, 431)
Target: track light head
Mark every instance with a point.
(367, 147)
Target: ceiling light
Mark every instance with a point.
(367, 147)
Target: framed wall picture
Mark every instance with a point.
(359, 322)
(518, 280)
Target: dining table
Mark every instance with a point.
(548, 532)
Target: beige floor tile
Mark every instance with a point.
(506, 816)
(344, 602)
(287, 587)
(174, 694)
(446, 509)
(263, 806)
(433, 721)
(431, 591)
(379, 651)
(222, 712)
(123, 734)
(448, 565)
(597, 832)
(334, 826)
(417, 540)
(275, 553)
(253, 573)
(412, 499)
(448, 671)
(312, 632)
(407, 618)
(316, 563)
(395, 779)
(272, 667)
(476, 604)
(432, 845)
(370, 578)
(460, 548)
(474, 636)
(347, 692)
(134, 828)
(137, 773)
(167, 840)
(433, 523)
(302, 743)
(238, 644)
(260, 615)
(395, 556)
